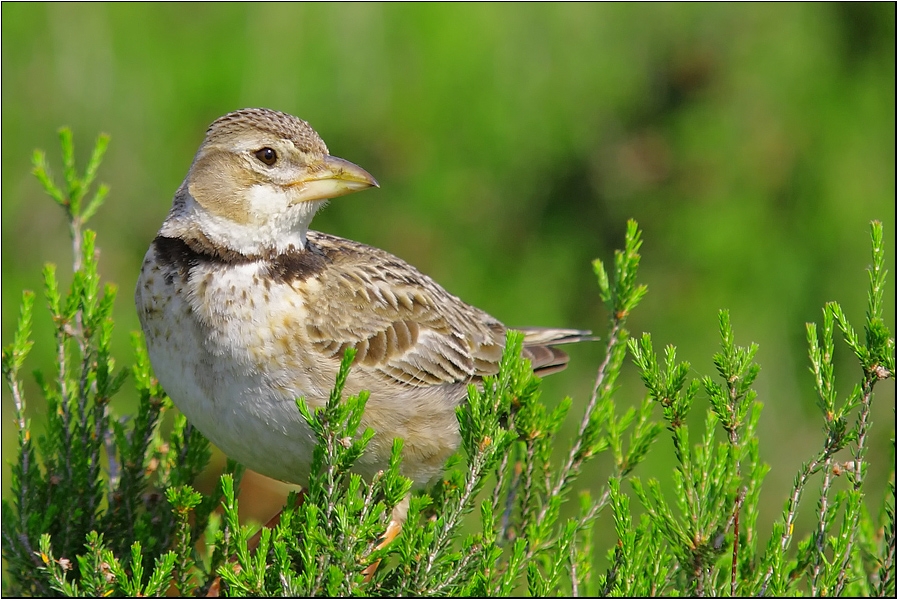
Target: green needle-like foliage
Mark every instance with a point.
(102, 505)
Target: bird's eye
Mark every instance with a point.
(267, 156)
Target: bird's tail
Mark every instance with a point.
(539, 346)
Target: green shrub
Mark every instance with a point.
(104, 506)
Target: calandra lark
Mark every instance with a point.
(245, 309)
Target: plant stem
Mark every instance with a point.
(573, 571)
(450, 522)
(821, 534)
(804, 475)
(858, 475)
(573, 463)
(733, 566)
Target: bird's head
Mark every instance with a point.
(257, 180)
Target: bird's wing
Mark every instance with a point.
(403, 325)
(406, 327)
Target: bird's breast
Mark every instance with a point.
(227, 346)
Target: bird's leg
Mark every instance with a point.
(397, 519)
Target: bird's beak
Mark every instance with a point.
(330, 178)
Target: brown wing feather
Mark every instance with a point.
(406, 327)
(402, 324)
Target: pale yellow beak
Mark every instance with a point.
(330, 178)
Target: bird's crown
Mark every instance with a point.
(276, 123)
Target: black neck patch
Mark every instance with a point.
(185, 254)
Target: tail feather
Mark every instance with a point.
(539, 347)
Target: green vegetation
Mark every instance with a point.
(104, 506)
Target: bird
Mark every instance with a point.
(245, 309)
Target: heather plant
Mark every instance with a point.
(102, 504)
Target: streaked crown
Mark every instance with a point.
(279, 124)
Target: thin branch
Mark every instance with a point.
(75, 231)
(883, 586)
(453, 578)
(500, 479)
(572, 562)
(24, 437)
(736, 518)
(795, 496)
(573, 463)
(858, 475)
(451, 519)
(821, 534)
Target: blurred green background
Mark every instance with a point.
(753, 143)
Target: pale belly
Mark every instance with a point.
(239, 414)
(213, 352)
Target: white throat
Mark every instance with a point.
(270, 223)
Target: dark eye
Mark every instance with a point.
(267, 156)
